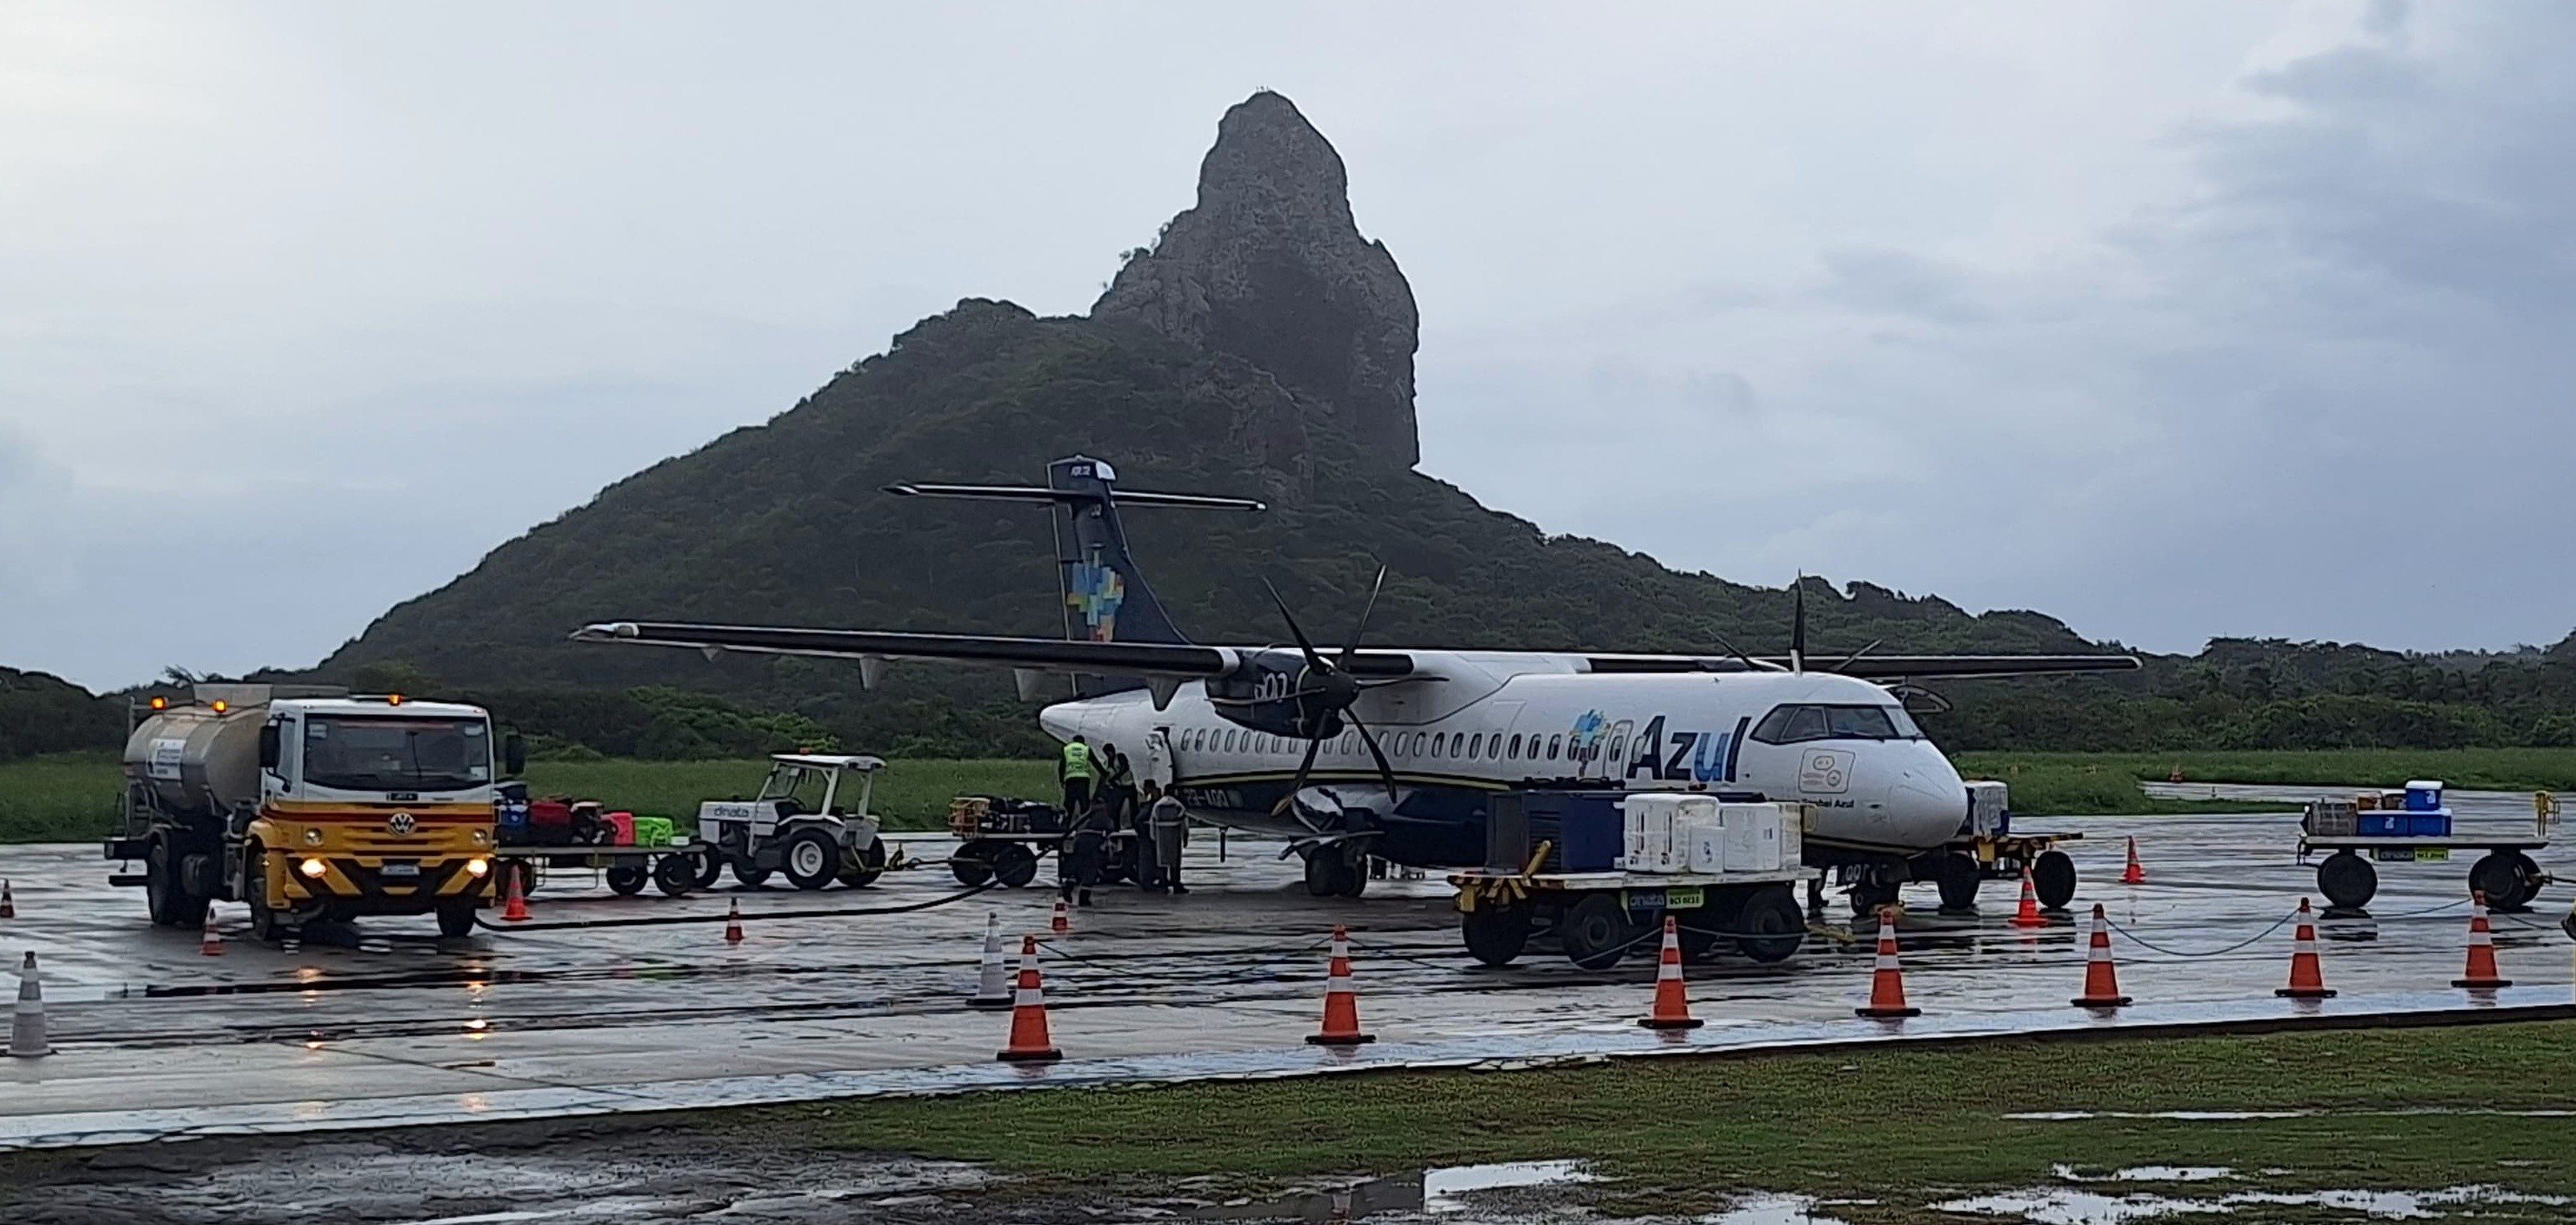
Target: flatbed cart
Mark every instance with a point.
(2506, 874)
(677, 869)
(1002, 839)
(1598, 916)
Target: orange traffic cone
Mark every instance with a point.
(2028, 915)
(1062, 924)
(2481, 973)
(2307, 974)
(8, 904)
(210, 943)
(1887, 982)
(1341, 1004)
(515, 908)
(2135, 873)
(1672, 1004)
(2101, 980)
(733, 921)
(1029, 1040)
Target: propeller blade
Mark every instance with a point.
(1854, 657)
(1305, 767)
(1797, 625)
(1313, 660)
(1385, 771)
(1749, 662)
(1352, 647)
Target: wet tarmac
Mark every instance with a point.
(156, 1040)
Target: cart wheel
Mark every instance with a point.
(813, 856)
(2052, 876)
(2501, 879)
(675, 875)
(971, 864)
(1960, 876)
(626, 880)
(1495, 934)
(1595, 932)
(2348, 880)
(1780, 927)
(1014, 865)
(2532, 879)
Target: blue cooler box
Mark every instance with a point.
(2429, 824)
(2380, 824)
(2424, 795)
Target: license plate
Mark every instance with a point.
(2433, 854)
(1683, 899)
(407, 870)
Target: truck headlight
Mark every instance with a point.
(313, 867)
(313, 837)
(478, 868)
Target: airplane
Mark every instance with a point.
(1395, 753)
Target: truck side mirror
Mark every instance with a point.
(268, 747)
(514, 754)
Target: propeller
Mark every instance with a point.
(1326, 688)
(1798, 625)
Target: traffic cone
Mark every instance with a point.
(2101, 980)
(2135, 873)
(733, 921)
(210, 943)
(1029, 1041)
(1887, 981)
(2481, 973)
(1062, 924)
(8, 904)
(1341, 1004)
(1672, 1003)
(993, 985)
(2307, 974)
(27, 1024)
(515, 908)
(2028, 915)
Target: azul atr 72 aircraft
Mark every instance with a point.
(1393, 752)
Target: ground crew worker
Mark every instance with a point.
(1170, 823)
(1074, 771)
(1117, 783)
(1086, 855)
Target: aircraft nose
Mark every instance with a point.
(1924, 800)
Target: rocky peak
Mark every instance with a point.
(1270, 266)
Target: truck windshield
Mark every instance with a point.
(396, 754)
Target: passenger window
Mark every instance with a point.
(1476, 745)
(1618, 749)
(1494, 748)
(1514, 752)
(1439, 742)
(1553, 744)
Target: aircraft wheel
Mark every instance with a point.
(2052, 877)
(1495, 934)
(1871, 896)
(1780, 927)
(2348, 880)
(813, 856)
(1014, 865)
(1331, 874)
(1595, 932)
(1959, 880)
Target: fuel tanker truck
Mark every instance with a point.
(304, 803)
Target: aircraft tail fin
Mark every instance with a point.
(1104, 594)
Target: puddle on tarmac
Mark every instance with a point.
(2068, 1206)
(1436, 1192)
(1442, 1187)
(1779, 1210)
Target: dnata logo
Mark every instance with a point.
(1097, 592)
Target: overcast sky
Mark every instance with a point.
(2172, 320)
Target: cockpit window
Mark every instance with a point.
(1798, 724)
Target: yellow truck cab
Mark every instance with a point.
(304, 804)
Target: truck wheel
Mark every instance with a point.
(2348, 880)
(1778, 925)
(625, 880)
(263, 921)
(971, 864)
(1595, 932)
(812, 857)
(675, 875)
(456, 919)
(1495, 934)
(1014, 865)
(1697, 932)
(708, 863)
(861, 868)
(1959, 879)
(163, 894)
(2052, 876)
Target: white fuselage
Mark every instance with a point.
(1472, 723)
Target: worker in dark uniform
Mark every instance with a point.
(1170, 825)
(1074, 771)
(1086, 853)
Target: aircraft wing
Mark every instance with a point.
(1877, 667)
(1044, 654)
